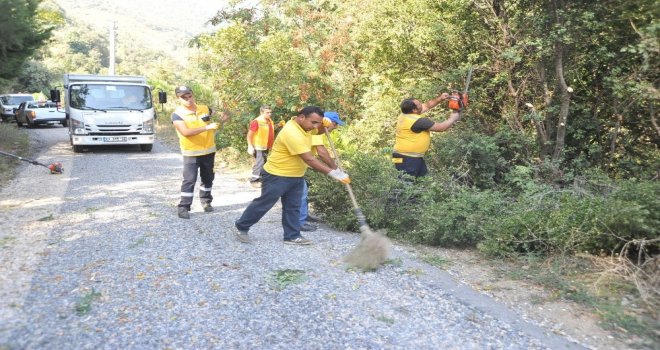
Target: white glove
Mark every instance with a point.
(212, 126)
(340, 176)
(251, 150)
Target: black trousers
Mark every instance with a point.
(191, 165)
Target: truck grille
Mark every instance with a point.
(114, 129)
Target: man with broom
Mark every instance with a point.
(282, 177)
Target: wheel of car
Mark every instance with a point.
(77, 148)
(146, 148)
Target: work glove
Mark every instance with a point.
(251, 150)
(281, 123)
(340, 176)
(327, 122)
(212, 126)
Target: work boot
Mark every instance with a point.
(307, 227)
(313, 218)
(183, 212)
(207, 207)
(242, 236)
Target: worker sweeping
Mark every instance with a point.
(55, 168)
(282, 177)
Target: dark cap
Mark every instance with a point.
(181, 90)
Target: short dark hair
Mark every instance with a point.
(408, 105)
(264, 107)
(309, 110)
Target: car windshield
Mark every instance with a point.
(107, 97)
(15, 100)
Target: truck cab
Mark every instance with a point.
(109, 110)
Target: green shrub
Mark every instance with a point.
(565, 222)
(472, 157)
(459, 220)
(383, 198)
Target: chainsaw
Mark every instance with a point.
(459, 100)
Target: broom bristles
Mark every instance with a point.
(371, 252)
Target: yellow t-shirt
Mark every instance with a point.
(284, 158)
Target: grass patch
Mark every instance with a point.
(584, 280)
(14, 141)
(84, 304)
(436, 260)
(281, 279)
(5, 241)
(47, 218)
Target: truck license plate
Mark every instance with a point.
(114, 139)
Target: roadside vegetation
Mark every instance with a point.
(15, 141)
(554, 166)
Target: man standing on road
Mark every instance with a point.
(330, 121)
(260, 138)
(197, 142)
(282, 177)
(413, 134)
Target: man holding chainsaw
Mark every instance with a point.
(413, 133)
(282, 177)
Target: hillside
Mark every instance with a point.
(163, 25)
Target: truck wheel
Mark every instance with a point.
(77, 149)
(146, 148)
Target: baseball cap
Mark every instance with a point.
(180, 90)
(333, 116)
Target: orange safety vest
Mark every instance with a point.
(263, 138)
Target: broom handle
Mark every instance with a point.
(362, 220)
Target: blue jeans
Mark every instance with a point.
(303, 204)
(273, 188)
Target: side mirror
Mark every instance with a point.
(162, 97)
(55, 95)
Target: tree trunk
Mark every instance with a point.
(565, 97)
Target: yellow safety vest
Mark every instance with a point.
(409, 143)
(200, 144)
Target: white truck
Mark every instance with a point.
(108, 110)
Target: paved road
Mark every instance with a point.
(97, 259)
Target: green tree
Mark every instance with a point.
(22, 32)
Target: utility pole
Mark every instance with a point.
(111, 68)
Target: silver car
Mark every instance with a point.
(10, 102)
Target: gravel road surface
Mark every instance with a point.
(96, 258)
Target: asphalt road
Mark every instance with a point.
(97, 259)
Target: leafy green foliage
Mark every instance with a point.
(22, 32)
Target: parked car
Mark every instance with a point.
(36, 113)
(10, 102)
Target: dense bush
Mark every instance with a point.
(564, 221)
(460, 220)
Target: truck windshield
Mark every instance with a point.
(99, 96)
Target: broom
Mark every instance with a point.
(374, 248)
(55, 168)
